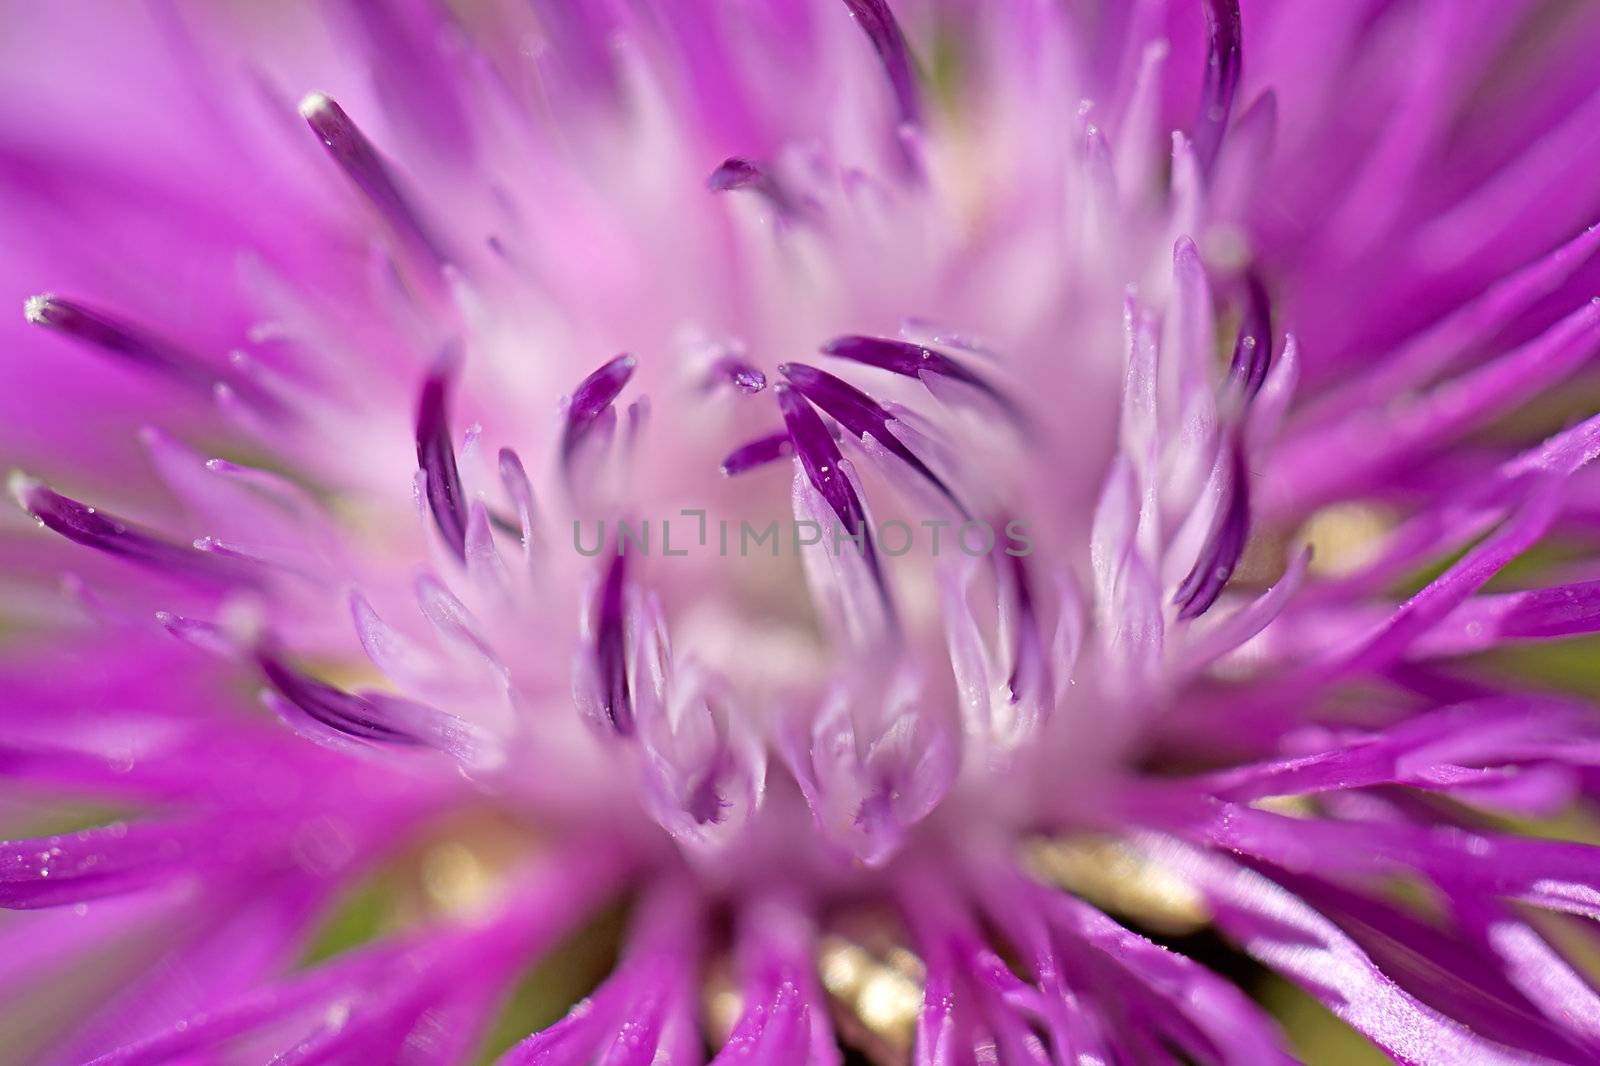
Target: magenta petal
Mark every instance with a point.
(1217, 1020)
(1293, 938)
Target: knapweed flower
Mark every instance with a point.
(801, 531)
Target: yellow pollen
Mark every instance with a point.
(883, 993)
(1344, 537)
(1118, 878)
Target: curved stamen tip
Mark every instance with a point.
(595, 392)
(740, 173)
(861, 416)
(706, 805)
(912, 360)
(592, 398)
(436, 457)
(758, 452)
(1223, 548)
(732, 370)
(72, 519)
(344, 712)
(610, 646)
(91, 527)
(889, 42)
(818, 454)
(1252, 349)
(821, 460)
(735, 173)
(1029, 674)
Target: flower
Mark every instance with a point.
(1046, 590)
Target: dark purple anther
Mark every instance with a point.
(860, 415)
(95, 529)
(820, 458)
(1029, 665)
(705, 804)
(360, 161)
(1252, 350)
(436, 457)
(759, 452)
(592, 398)
(610, 647)
(739, 173)
(140, 348)
(731, 370)
(1221, 79)
(898, 357)
(120, 339)
(878, 23)
(339, 710)
(912, 361)
(1223, 547)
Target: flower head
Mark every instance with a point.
(987, 528)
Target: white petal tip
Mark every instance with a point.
(314, 104)
(20, 485)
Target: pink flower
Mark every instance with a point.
(985, 525)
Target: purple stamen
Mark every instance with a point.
(93, 528)
(734, 371)
(706, 805)
(1029, 661)
(759, 452)
(820, 457)
(514, 479)
(610, 644)
(1221, 78)
(1252, 350)
(339, 710)
(106, 333)
(1223, 547)
(912, 361)
(140, 348)
(592, 399)
(878, 22)
(739, 173)
(365, 168)
(860, 415)
(436, 457)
